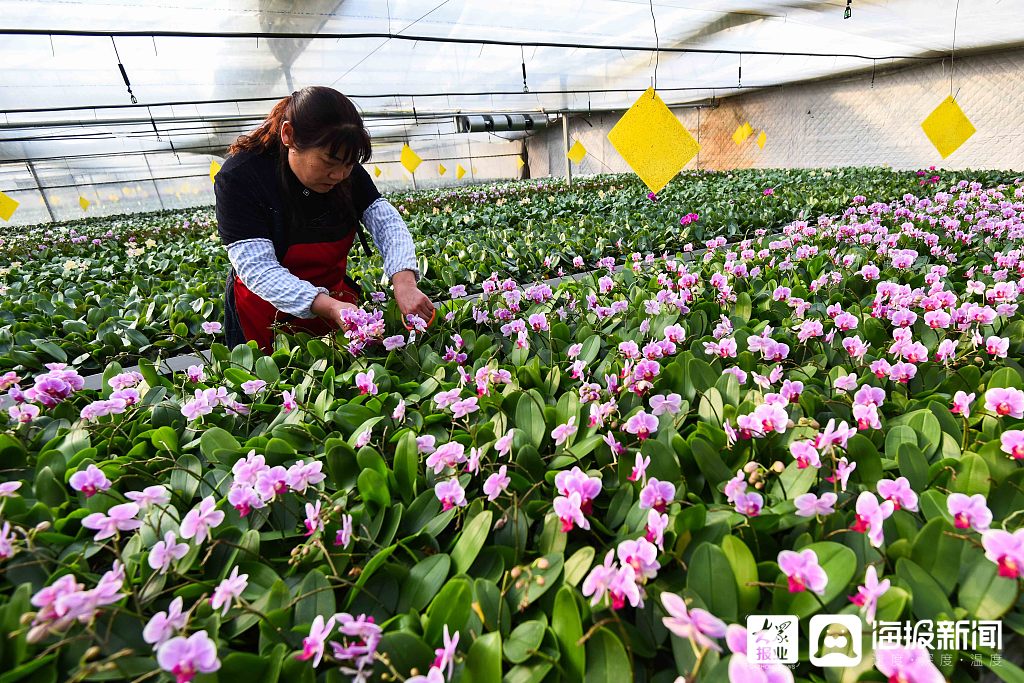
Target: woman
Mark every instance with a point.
(290, 198)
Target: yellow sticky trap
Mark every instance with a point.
(948, 127)
(376, 171)
(441, 170)
(84, 203)
(214, 170)
(740, 135)
(459, 171)
(410, 159)
(7, 207)
(654, 143)
(576, 152)
(761, 139)
(520, 163)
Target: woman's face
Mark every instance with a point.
(314, 167)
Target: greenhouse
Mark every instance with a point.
(673, 341)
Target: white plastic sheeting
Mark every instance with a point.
(391, 76)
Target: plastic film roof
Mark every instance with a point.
(391, 78)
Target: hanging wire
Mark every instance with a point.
(657, 47)
(739, 73)
(124, 74)
(153, 123)
(522, 56)
(952, 51)
(333, 35)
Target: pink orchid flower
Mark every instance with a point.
(803, 571)
(867, 595)
(697, 625)
(969, 512)
(313, 645)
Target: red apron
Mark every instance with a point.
(321, 263)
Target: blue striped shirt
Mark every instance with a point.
(256, 263)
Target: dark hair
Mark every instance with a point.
(320, 117)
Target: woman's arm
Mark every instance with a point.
(256, 264)
(392, 237)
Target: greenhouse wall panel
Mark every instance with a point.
(853, 121)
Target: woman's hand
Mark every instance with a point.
(409, 298)
(330, 309)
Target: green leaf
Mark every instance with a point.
(406, 466)
(591, 347)
(711, 577)
(898, 434)
(741, 308)
(1005, 378)
(530, 417)
(452, 606)
(528, 673)
(926, 426)
(607, 661)
(912, 464)
(369, 570)
(253, 667)
(315, 597)
(471, 541)
(973, 475)
(710, 462)
(215, 439)
(166, 439)
(568, 630)
(711, 408)
(374, 489)
(577, 566)
(47, 489)
(186, 475)
(938, 553)
(405, 651)
(12, 452)
(266, 369)
(744, 568)
(928, 600)
(483, 661)
(524, 641)
(29, 668)
(51, 349)
(424, 581)
(985, 594)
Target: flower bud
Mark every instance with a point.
(542, 563)
(750, 467)
(778, 467)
